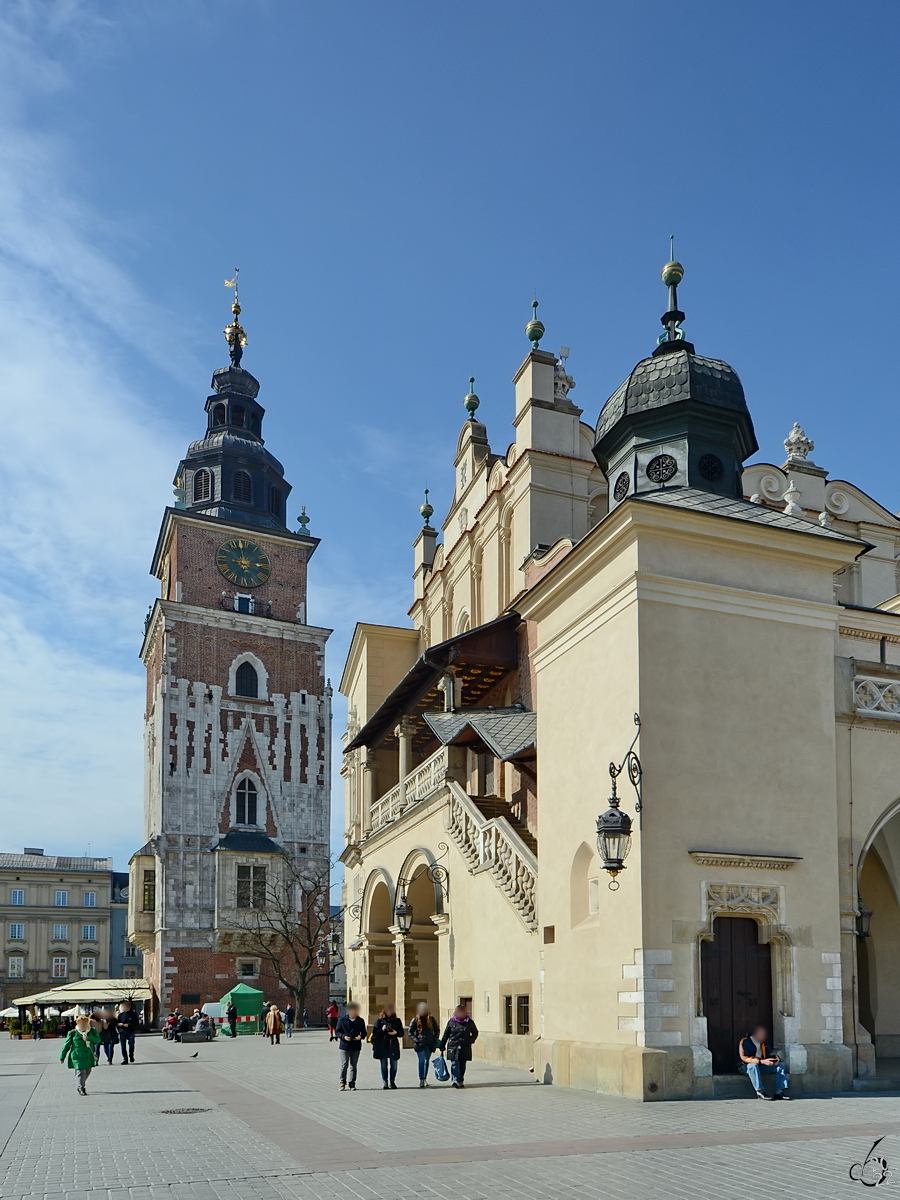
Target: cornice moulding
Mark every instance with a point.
(758, 862)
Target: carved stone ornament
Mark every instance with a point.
(798, 445)
(762, 901)
(662, 468)
(791, 498)
(562, 382)
(620, 491)
(764, 862)
(877, 697)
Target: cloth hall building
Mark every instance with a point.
(238, 713)
(592, 571)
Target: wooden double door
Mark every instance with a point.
(736, 988)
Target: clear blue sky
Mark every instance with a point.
(394, 180)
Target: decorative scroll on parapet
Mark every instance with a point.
(877, 697)
(493, 845)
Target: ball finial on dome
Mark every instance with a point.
(534, 330)
(426, 510)
(471, 401)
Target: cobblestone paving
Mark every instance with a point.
(272, 1124)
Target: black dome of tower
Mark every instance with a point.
(679, 419)
(229, 472)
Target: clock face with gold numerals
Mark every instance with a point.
(243, 562)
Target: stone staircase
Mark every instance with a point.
(493, 806)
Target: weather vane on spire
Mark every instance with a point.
(234, 333)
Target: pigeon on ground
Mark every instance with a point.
(195, 1055)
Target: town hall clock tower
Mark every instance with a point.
(238, 715)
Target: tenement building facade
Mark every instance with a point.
(238, 712)
(57, 916)
(636, 565)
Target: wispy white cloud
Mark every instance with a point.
(82, 482)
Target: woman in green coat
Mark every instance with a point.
(79, 1047)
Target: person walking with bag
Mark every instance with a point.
(423, 1033)
(274, 1025)
(460, 1033)
(351, 1029)
(79, 1049)
(387, 1039)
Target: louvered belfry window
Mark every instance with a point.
(243, 489)
(202, 484)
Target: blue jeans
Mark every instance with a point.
(458, 1069)
(289, 1028)
(388, 1068)
(126, 1044)
(424, 1057)
(754, 1070)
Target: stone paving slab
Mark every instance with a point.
(273, 1125)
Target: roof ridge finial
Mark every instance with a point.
(427, 511)
(534, 330)
(672, 275)
(471, 401)
(234, 333)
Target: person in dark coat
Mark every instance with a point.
(109, 1034)
(387, 1039)
(424, 1034)
(127, 1025)
(231, 1015)
(351, 1030)
(456, 1044)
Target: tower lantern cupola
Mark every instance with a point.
(229, 473)
(678, 420)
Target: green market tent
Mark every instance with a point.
(248, 1001)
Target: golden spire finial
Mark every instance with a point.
(234, 333)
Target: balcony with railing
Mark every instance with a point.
(418, 785)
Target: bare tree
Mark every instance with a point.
(286, 922)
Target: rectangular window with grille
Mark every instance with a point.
(149, 891)
(129, 972)
(17, 933)
(16, 968)
(60, 968)
(523, 1014)
(507, 1014)
(90, 899)
(88, 968)
(89, 933)
(251, 887)
(62, 899)
(60, 933)
(17, 896)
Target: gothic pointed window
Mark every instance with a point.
(202, 485)
(243, 489)
(245, 808)
(246, 681)
(219, 414)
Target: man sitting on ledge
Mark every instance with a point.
(757, 1060)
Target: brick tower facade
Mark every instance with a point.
(238, 716)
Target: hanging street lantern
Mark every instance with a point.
(614, 838)
(614, 826)
(403, 914)
(864, 919)
(321, 955)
